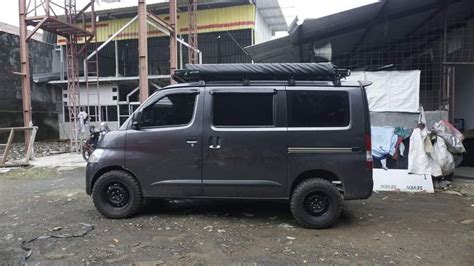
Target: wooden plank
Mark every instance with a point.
(30, 145)
(15, 128)
(8, 145)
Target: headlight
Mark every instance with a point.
(95, 156)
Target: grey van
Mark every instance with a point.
(241, 131)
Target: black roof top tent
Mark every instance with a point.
(270, 71)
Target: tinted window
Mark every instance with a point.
(242, 109)
(111, 113)
(318, 109)
(66, 113)
(172, 110)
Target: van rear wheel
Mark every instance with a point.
(117, 194)
(316, 203)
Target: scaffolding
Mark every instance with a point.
(64, 20)
(78, 27)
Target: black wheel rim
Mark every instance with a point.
(316, 203)
(116, 194)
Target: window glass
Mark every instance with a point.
(103, 113)
(172, 110)
(93, 115)
(66, 113)
(318, 109)
(242, 109)
(112, 113)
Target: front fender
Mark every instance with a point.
(113, 146)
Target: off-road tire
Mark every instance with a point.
(324, 187)
(105, 207)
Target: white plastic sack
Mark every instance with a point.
(420, 161)
(443, 157)
(451, 135)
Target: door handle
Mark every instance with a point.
(192, 141)
(214, 143)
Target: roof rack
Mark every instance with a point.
(271, 71)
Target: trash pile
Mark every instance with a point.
(435, 152)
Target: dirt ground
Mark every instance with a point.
(389, 228)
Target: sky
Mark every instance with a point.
(302, 8)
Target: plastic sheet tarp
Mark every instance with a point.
(391, 91)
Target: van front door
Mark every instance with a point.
(165, 152)
(244, 149)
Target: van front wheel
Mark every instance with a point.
(316, 203)
(117, 194)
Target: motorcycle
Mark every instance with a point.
(90, 143)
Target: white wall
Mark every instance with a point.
(464, 95)
(108, 96)
(262, 31)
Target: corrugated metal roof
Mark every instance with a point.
(346, 30)
(343, 21)
(4, 27)
(272, 14)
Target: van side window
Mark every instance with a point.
(318, 108)
(171, 110)
(242, 109)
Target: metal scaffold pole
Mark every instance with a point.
(192, 33)
(25, 71)
(142, 50)
(173, 39)
(72, 78)
(91, 72)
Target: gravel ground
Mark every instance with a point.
(41, 148)
(388, 228)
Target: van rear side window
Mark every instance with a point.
(318, 108)
(242, 109)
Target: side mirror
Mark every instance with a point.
(137, 120)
